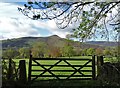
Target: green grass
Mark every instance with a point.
(111, 59)
(52, 62)
(63, 83)
(48, 62)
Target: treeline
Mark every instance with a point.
(41, 49)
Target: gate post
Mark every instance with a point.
(10, 70)
(93, 68)
(22, 72)
(99, 63)
(29, 69)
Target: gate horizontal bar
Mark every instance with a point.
(62, 70)
(63, 65)
(61, 59)
(71, 79)
(62, 76)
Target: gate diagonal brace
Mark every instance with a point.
(46, 70)
(76, 70)
(85, 64)
(41, 73)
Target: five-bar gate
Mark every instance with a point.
(61, 69)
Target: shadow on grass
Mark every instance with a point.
(53, 83)
(65, 83)
(58, 84)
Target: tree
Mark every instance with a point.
(93, 17)
(107, 52)
(68, 51)
(90, 51)
(24, 52)
(39, 49)
(114, 51)
(78, 51)
(54, 51)
(84, 52)
(10, 53)
(99, 52)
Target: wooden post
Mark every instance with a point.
(93, 68)
(10, 70)
(30, 67)
(99, 63)
(22, 72)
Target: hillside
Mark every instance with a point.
(51, 41)
(28, 41)
(103, 43)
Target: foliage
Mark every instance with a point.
(24, 52)
(114, 51)
(99, 52)
(107, 52)
(90, 51)
(93, 17)
(68, 51)
(106, 76)
(90, 16)
(9, 74)
(54, 51)
(38, 49)
(84, 52)
(4, 70)
(77, 51)
(10, 53)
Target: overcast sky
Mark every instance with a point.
(13, 24)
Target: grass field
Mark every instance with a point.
(64, 83)
(52, 62)
(48, 62)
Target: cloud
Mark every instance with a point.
(14, 28)
(13, 24)
(60, 32)
(9, 10)
(13, 1)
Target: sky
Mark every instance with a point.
(13, 24)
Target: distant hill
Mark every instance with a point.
(28, 41)
(53, 40)
(103, 43)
